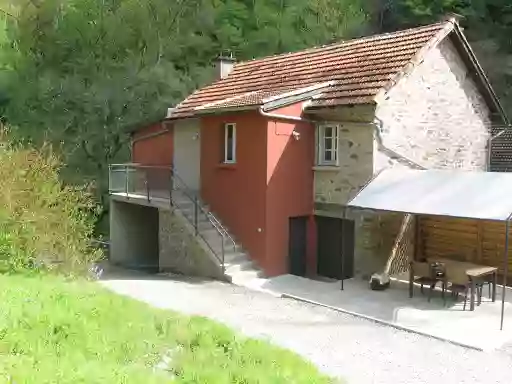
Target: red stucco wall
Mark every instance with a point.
(236, 193)
(271, 181)
(156, 150)
(289, 184)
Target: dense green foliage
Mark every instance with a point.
(43, 224)
(53, 331)
(487, 24)
(81, 74)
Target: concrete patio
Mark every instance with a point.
(479, 329)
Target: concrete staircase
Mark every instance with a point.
(239, 269)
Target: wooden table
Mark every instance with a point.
(475, 273)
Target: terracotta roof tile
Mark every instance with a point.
(359, 68)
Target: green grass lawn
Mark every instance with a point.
(57, 331)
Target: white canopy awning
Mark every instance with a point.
(475, 195)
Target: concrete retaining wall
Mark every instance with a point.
(182, 252)
(133, 235)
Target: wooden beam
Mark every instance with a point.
(479, 240)
(417, 238)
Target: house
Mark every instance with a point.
(268, 156)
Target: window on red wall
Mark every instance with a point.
(230, 143)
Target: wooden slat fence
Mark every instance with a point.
(477, 241)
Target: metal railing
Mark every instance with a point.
(163, 183)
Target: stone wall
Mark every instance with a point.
(375, 236)
(337, 185)
(182, 252)
(435, 118)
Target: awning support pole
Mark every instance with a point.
(505, 270)
(344, 216)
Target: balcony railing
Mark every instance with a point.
(134, 179)
(162, 182)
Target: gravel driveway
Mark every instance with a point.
(341, 345)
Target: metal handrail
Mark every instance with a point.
(223, 229)
(137, 165)
(209, 214)
(198, 208)
(199, 234)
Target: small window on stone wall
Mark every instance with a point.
(328, 144)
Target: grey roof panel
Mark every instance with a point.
(476, 195)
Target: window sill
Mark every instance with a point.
(326, 168)
(226, 165)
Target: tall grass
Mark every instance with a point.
(62, 331)
(44, 225)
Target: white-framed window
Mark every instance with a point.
(328, 144)
(230, 143)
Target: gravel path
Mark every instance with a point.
(341, 345)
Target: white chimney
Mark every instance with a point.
(224, 65)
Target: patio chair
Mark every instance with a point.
(429, 274)
(459, 282)
(480, 286)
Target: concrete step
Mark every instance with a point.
(216, 246)
(187, 211)
(213, 234)
(204, 225)
(244, 276)
(251, 279)
(232, 268)
(202, 222)
(235, 257)
(190, 213)
(258, 284)
(239, 268)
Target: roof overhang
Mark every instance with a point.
(472, 195)
(266, 104)
(296, 96)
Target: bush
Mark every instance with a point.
(44, 225)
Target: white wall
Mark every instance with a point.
(187, 151)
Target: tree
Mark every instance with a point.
(486, 23)
(81, 74)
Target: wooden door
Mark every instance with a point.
(298, 245)
(335, 239)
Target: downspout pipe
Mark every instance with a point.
(377, 125)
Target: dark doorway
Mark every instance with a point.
(297, 247)
(335, 237)
(134, 236)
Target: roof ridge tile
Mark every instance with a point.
(349, 41)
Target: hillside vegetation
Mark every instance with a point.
(82, 74)
(44, 224)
